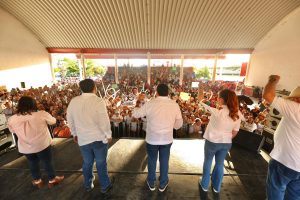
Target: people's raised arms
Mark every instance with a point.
(200, 92)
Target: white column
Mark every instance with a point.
(80, 64)
(215, 68)
(149, 68)
(116, 69)
(83, 66)
(181, 70)
(51, 67)
(221, 71)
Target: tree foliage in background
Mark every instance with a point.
(70, 68)
(202, 73)
(92, 70)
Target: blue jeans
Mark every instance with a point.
(219, 151)
(164, 155)
(90, 152)
(282, 182)
(34, 159)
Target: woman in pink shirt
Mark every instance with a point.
(34, 140)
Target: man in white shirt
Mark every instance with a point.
(283, 180)
(89, 123)
(163, 115)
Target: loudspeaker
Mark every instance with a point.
(269, 141)
(7, 140)
(275, 113)
(23, 85)
(272, 122)
(248, 140)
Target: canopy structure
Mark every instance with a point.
(147, 29)
(214, 26)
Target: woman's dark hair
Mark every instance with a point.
(162, 89)
(87, 85)
(26, 105)
(231, 100)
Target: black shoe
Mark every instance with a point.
(162, 189)
(216, 195)
(203, 193)
(109, 187)
(151, 187)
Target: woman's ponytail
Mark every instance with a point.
(231, 100)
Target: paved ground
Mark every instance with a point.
(245, 173)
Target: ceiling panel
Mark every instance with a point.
(150, 24)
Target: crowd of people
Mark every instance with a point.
(132, 92)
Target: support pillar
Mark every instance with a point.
(116, 70)
(51, 67)
(82, 72)
(215, 68)
(181, 70)
(149, 68)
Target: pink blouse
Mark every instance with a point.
(32, 131)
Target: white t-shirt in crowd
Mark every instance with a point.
(163, 114)
(133, 126)
(250, 127)
(128, 119)
(287, 135)
(220, 126)
(116, 119)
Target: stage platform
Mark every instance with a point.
(245, 173)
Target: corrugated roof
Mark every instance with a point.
(150, 24)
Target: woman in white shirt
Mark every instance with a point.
(224, 124)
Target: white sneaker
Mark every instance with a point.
(152, 188)
(163, 188)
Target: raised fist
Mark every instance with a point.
(274, 78)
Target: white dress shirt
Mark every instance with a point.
(88, 119)
(287, 135)
(220, 126)
(163, 114)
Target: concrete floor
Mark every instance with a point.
(245, 173)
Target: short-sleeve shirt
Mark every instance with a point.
(287, 135)
(221, 125)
